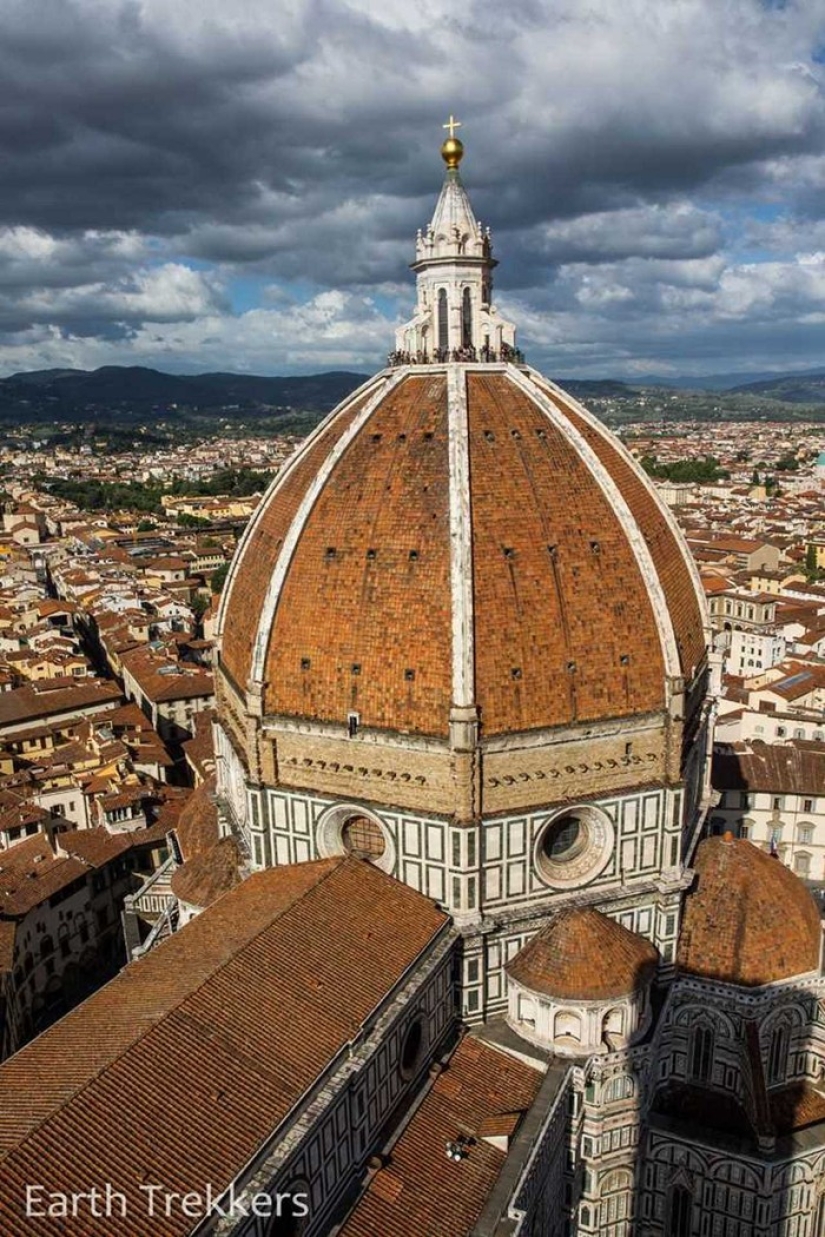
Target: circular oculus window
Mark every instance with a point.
(363, 838)
(574, 847)
(349, 830)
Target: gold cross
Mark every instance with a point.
(452, 124)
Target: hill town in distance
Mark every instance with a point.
(412, 795)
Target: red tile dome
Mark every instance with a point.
(204, 878)
(583, 955)
(461, 534)
(748, 919)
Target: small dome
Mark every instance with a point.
(583, 955)
(197, 826)
(748, 919)
(201, 881)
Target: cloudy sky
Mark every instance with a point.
(198, 185)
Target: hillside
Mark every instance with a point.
(138, 393)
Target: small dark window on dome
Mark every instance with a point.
(363, 838)
(624, 659)
(305, 663)
(376, 438)
(428, 434)
(329, 552)
(515, 434)
(409, 675)
(516, 672)
(372, 554)
(402, 437)
(413, 556)
(489, 435)
(508, 551)
(356, 667)
(541, 433)
(595, 547)
(571, 666)
(552, 550)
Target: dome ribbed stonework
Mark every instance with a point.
(583, 955)
(461, 535)
(748, 919)
(203, 879)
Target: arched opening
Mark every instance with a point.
(778, 1055)
(701, 1053)
(411, 1049)
(291, 1211)
(681, 1205)
(567, 1026)
(613, 1024)
(466, 320)
(443, 325)
(526, 1011)
(818, 1229)
(363, 838)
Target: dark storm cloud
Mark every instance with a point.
(298, 142)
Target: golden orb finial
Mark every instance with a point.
(452, 149)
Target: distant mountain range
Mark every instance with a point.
(125, 395)
(78, 394)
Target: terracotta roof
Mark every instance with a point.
(203, 879)
(249, 587)
(795, 1106)
(213, 1037)
(669, 557)
(95, 847)
(31, 701)
(791, 770)
(565, 628)
(162, 679)
(30, 873)
(420, 1191)
(197, 825)
(200, 749)
(584, 955)
(390, 496)
(748, 919)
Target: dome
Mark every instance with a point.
(748, 919)
(467, 535)
(461, 596)
(197, 826)
(583, 955)
(201, 880)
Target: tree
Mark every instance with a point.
(219, 578)
(811, 567)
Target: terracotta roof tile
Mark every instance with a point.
(213, 1037)
(584, 955)
(201, 880)
(197, 825)
(421, 1191)
(248, 588)
(565, 629)
(748, 919)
